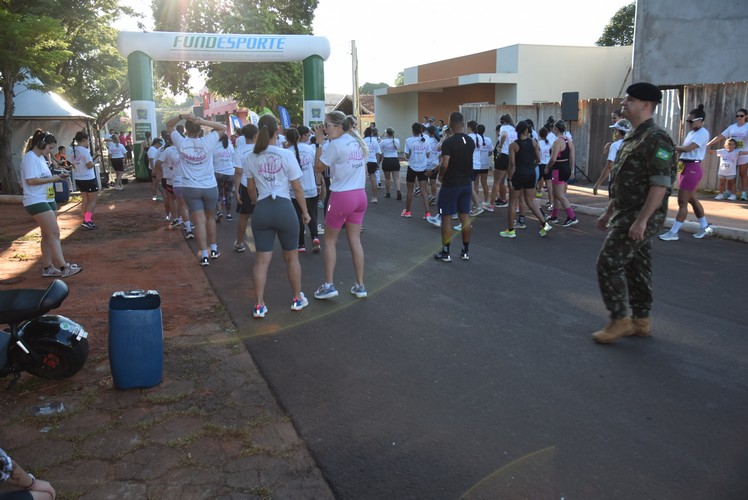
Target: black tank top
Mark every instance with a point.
(525, 157)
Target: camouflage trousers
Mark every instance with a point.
(625, 266)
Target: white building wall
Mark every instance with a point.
(398, 112)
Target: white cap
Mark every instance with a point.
(623, 125)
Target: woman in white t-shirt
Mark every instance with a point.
(304, 153)
(480, 171)
(372, 161)
(223, 164)
(739, 132)
(692, 153)
(390, 162)
(345, 155)
(199, 188)
(117, 154)
(155, 175)
(622, 127)
(244, 204)
(85, 177)
(39, 201)
(417, 152)
(505, 135)
(272, 173)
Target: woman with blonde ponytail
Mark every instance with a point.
(345, 155)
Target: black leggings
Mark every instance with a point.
(311, 207)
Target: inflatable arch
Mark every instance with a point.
(142, 48)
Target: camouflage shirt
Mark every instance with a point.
(646, 158)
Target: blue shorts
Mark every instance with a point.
(455, 199)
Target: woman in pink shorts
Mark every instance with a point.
(345, 154)
(692, 153)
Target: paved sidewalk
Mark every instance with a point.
(729, 219)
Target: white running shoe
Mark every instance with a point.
(707, 231)
(669, 236)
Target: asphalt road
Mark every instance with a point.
(479, 379)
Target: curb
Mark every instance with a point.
(727, 233)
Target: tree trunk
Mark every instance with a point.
(9, 181)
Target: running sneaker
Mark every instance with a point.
(406, 214)
(316, 246)
(302, 249)
(545, 230)
(538, 194)
(552, 220)
(325, 292)
(219, 216)
(167, 217)
(707, 231)
(426, 215)
(374, 200)
(501, 203)
(744, 196)
(88, 225)
(475, 212)
(229, 217)
(464, 255)
(443, 256)
(509, 233)
(359, 291)
(417, 192)
(239, 247)
(260, 311)
(435, 220)
(189, 235)
(299, 303)
(720, 196)
(70, 270)
(387, 195)
(51, 272)
(399, 196)
(570, 222)
(458, 227)
(320, 204)
(176, 223)
(669, 236)
(214, 254)
(204, 261)
(455, 217)
(732, 197)
(320, 229)
(487, 206)
(432, 200)
(520, 225)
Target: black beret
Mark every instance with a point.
(644, 92)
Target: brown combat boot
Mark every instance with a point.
(641, 327)
(614, 330)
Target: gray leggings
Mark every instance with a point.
(198, 199)
(271, 217)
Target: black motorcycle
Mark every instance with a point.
(46, 345)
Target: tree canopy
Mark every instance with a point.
(620, 30)
(255, 85)
(31, 44)
(369, 88)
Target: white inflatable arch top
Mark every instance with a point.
(221, 47)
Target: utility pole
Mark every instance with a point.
(356, 98)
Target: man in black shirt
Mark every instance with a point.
(455, 171)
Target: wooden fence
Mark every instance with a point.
(591, 131)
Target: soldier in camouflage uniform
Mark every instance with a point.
(642, 178)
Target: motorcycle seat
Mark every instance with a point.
(25, 303)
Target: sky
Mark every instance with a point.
(392, 35)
